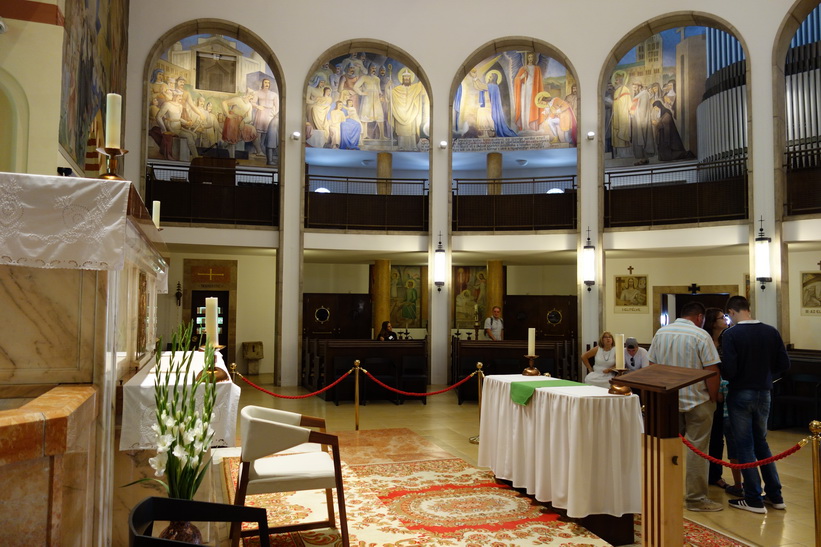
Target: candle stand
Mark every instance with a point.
(618, 389)
(531, 370)
(111, 155)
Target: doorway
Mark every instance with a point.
(671, 303)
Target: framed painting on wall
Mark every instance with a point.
(470, 295)
(405, 297)
(631, 293)
(811, 293)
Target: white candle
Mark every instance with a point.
(212, 334)
(619, 352)
(155, 214)
(531, 341)
(113, 117)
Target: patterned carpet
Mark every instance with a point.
(436, 502)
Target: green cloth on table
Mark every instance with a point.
(521, 392)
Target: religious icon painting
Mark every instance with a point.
(631, 293)
(406, 293)
(811, 293)
(470, 296)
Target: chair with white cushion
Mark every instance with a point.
(269, 432)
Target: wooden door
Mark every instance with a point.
(331, 315)
(553, 317)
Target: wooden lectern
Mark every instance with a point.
(663, 486)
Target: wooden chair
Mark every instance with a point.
(142, 517)
(266, 432)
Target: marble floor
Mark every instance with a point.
(449, 426)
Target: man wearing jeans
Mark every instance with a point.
(684, 343)
(752, 354)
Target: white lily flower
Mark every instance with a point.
(180, 454)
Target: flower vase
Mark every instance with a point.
(182, 530)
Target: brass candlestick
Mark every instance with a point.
(616, 389)
(111, 155)
(531, 370)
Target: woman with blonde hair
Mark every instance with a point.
(604, 361)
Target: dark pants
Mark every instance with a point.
(716, 444)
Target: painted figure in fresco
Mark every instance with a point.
(347, 85)
(238, 126)
(526, 85)
(370, 105)
(266, 121)
(641, 127)
(169, 119)
(158, 85)
(622, 102)
(561, 119)
(315, 89)
(497, 111)
(210, 128)
(409, 305)
(350, 131)
(334, 80)
(320, 110)
(337, 116)
(466, 105)
(187, 101)
(608, 118)
(667, 138)
(669, 96)
(572, 98)
(407, 107)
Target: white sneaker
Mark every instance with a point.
(780, 505)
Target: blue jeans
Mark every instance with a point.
(749, 410)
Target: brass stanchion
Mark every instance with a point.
(815, 429)
(480, 376)
(356, 393)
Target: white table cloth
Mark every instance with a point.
(577, 447)
(139, 408)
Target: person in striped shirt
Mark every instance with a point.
(684, 343)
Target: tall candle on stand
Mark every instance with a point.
(619, 352)
(531, 341)
(212, 334)
(155, 213)
(113, 118)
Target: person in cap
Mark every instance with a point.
(635, 357)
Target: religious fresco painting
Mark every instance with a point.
(515, 100)
(631, 294)
(652, 97)
(470, 296)
(811, 293)
(366, 101)
(95, 46)
(213, 96)
(406, 293)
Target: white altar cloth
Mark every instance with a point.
(577, 447)
(139, 408)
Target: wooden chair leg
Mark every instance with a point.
(329, 497)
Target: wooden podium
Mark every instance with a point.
(663, 485)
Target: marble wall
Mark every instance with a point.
(47, 465)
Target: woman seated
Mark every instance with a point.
(604, 362)
(387, 332)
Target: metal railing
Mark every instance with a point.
(211, 194)
(676, 194)
(537, 203)
(802, 163)
(360, 203)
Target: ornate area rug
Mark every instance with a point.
(438, 502)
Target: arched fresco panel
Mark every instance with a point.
(211, 95)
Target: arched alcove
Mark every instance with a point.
(14, 109)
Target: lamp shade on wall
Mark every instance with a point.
(439, 262)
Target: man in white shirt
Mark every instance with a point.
(635, 357)
(495, 325)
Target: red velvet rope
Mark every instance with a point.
(329, 386)
(749, 465)
(326, 388)
(411, 394)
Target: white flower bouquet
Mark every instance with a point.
(183, 427)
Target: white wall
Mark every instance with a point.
(805, 330)
(335, 278)
(541, 280)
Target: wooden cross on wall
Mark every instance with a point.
(694, 288)
(819, 264)
(630, 269)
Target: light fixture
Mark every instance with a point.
(443, 145)
(296, 135)
(522, 162)
(178, 294)
(589, 263)
(591, 135)
(762, 257)
(439, 257)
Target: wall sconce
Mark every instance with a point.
(439, 265)
(762, 257)
(296, 135)
(443, 145)
(591, 135)
(589, 263)
(178, 294)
